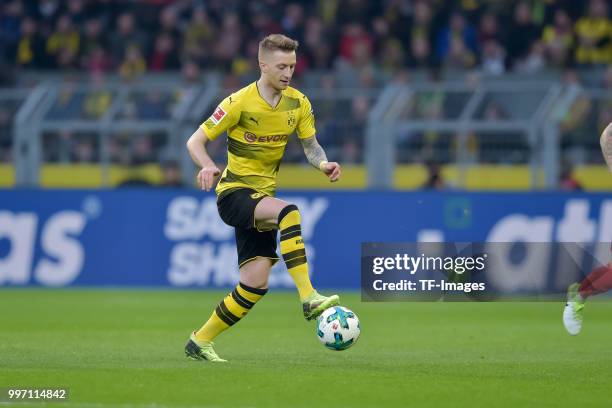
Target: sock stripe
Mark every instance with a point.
(227, 312)
(290, 235)
(223, 317)
(296, 262)
(256, 291)
(289, 256)
(241, 301)
(283, 213)
(290, 229)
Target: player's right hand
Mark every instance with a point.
(206, 176)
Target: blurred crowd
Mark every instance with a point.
(132, 37)
(350, 43)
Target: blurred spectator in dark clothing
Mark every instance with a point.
(489, 30)
(125, 37)
(76, 11)
(63, 45)
(434, 179)
(357, 11)
(263, 21)
(6, 138)
(228, 43)
(10, 22)
(165, 55)
(292, 22)
(420, 52)
(168, 20)
(521, 34)
(317, 48)
(354, 136)
(558, 39)
(142, 150)
(421, 24)
(171, 174)
(93, 47)
(47, 11)
(594, 35)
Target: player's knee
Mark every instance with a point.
(289, 211)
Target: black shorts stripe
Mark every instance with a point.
(223, 317)
(294, 254)
(295, 262)
(291, 235)
(292, 228)
(241, 300)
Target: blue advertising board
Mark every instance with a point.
(175, 238)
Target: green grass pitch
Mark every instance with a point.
(120, 348)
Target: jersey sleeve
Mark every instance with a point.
(306, 124)
(225, 116)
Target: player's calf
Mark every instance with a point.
(293, 251)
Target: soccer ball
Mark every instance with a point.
(338, 328)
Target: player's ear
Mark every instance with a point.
(263, 67)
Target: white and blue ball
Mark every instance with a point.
(338, 328)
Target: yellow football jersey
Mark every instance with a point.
(257, 134)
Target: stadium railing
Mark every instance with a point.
(479, 132)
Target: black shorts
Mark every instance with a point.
(237, 209)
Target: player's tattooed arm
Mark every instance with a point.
(316, 156)
(606, 145)
(314, 152)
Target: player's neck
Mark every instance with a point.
(269, 94)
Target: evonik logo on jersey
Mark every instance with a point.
(252, 138)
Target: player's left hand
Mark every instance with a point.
(332, 170)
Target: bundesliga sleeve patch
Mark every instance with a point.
(217, 115)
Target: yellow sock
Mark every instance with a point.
(293, 250)
(231, 309)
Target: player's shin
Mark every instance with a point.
(293, 249)
(229, 311)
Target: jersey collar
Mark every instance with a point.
(266, 102)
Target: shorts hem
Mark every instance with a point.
(273, 259)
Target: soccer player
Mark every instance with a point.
(259, 119)
(599, 280)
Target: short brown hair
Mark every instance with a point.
(275, 42)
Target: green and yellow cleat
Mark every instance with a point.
(201, 351)
(572, 314)
(315, 304)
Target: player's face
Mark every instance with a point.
(278, 68)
